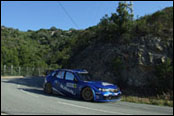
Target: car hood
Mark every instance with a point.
(101, 84)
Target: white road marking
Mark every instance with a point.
(18, 86)
(99, 110)
(28, 93)
(3, 80)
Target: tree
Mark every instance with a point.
(124, 20)
(119, 25)
(53, 28)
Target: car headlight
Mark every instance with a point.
(103, 90)
(109, 90)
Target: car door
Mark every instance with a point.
(70, 84)
(58, 82)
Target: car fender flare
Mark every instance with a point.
(94, 95)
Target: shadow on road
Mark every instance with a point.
(27, 81)
(41, 92)
(36, 84)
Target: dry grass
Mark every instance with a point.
(154, 101)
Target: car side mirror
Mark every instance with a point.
(75, 80)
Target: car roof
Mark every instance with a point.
(74, 70)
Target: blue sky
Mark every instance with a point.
(34, 15)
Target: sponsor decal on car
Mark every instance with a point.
(71, 85)
(67, 89)
(54, 89)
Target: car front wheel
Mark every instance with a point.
(87, 94)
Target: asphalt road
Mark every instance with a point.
(25, 96)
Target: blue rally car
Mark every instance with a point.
(78, 84)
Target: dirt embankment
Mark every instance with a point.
(12, 76)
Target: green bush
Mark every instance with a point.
(164, 73)
(117, 65)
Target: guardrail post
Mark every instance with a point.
(4, 69)
(39, 71)
(19, 70)
(27, 71)
(32, 71)
(11, 70)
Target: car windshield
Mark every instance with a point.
(85, 76)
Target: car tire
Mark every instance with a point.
(87, 94)
(48, 88)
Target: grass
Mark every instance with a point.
(153, 101)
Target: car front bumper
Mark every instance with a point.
(107, 96)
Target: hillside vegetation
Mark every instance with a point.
(135, 54)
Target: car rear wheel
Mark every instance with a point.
(48, 88)
(87, 94)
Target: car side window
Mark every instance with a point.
(53, 73)
(69, 76)
(60, 74)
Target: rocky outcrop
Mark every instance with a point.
(138, 57)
